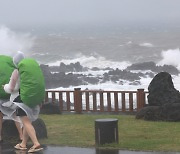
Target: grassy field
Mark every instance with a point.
(78, 130)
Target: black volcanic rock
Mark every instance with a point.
(169, 68)
(76, 67)
(121, 74)
(91, 80)
(143, 66)
(48, 76)
(65, 80)
(151, 113)
(60, 79)
(9, 130)
(152, 66)
(69, 75)
(72, 67)
(163, 100)
(170, 112)
(54, 68)
(50, 108)
(162, 91)
(166, 112)
(95, 69)
(45, 69)
(150, 74)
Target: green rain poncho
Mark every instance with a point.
(32, 87)
(6, 69)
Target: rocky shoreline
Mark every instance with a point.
(75, 74)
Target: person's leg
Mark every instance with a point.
(22, 145)
(20, 130)
(25, 138)
(1, 121)
(29, 130)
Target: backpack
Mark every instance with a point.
(32, 85)
(6, 69)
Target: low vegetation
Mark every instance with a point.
(78, 130)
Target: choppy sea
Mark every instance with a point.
(114, 47)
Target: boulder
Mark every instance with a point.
(163, 100)
(149, 113)
(9, 130)
(40, 128)
(170, 112)
(162, 91)
(50, 108)
(166, 112)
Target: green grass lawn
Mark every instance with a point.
(78, 130)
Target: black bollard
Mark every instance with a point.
(106, 131)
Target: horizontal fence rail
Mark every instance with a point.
(97, 100)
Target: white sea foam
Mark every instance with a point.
(107, 86)
(12, 42)
(92, 61)
(144, 83)
(170, 57)
(93, 73)
(176, 81)
(146, 44)
(129, 42)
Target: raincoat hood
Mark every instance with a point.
(18, 57)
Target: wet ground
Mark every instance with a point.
(8, 149)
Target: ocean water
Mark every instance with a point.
(114, 47)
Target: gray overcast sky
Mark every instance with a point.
(87, 11)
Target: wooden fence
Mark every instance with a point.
(98, 100)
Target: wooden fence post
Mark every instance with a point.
(140, 99)
(46, 97)
(53, 97)
(77, 100)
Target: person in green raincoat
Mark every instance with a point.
(29, 79)
(6, 68)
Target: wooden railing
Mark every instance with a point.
(97, 100)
